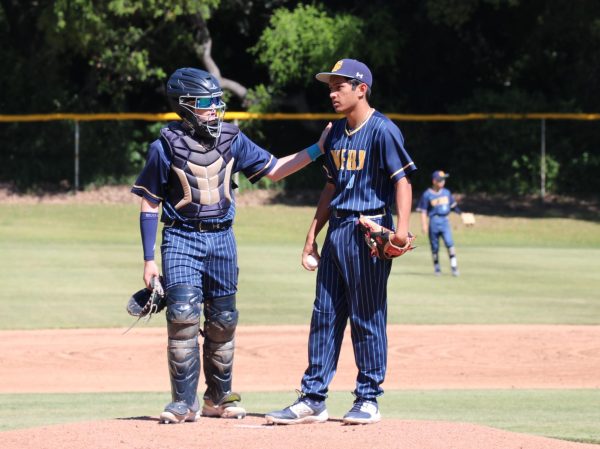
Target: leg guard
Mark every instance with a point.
(183, 317)
(219, 342)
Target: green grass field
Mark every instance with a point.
(565, 414)
(75, 266)
(67, 266)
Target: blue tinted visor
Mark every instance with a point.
(207, 102)
(202, 102)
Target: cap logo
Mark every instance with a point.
(359, 75)
(337, 66)
(441, 173)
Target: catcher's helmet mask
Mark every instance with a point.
(192, 92)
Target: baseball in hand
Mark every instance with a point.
(312, 262)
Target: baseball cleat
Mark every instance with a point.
(303, 411)
(178, 412)
(229, 410)
(363, 412)
(455, 272)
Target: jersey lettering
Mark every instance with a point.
(439, 201)
(351, 160)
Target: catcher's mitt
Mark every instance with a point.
(379, 239)
(145, 303)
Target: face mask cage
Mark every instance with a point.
(197, 107)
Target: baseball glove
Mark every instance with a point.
(145, 303)
(467, 218)
(379, 240)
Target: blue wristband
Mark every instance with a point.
(314, 151)
(148, 228)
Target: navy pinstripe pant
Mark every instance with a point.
(439, 227)
(350, 285)
(206, 260)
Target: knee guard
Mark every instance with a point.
(219, 342)
(183, 317)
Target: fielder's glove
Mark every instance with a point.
(379, 240)
(467, 218)
(145, 303)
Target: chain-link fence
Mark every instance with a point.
(497, 153)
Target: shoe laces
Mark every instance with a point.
(359, 403)
(304, 399)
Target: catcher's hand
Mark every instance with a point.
(379, 239)
(145, 303)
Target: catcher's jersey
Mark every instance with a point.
(438, 203)
(252, 160)
(365, 163)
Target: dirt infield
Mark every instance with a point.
(251, 433)
(271, 358)
(420, 357)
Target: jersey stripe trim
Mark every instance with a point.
(402, 169)
(355, 130)
(136, 187)
(261, 170)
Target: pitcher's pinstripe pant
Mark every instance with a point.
(350, 284)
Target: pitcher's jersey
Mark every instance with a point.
(438, 203)
(364, 164)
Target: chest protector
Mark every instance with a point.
(199, 184)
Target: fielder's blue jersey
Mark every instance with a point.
(252, 160)
(365, 163)
(438, 203)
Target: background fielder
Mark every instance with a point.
(435, 205)
(367, 168)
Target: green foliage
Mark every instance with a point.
(435, 56)
(297, 42)
(263, 184)
(453, 13)
(114, 36)
(259, 98)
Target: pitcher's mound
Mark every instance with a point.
(253, 433)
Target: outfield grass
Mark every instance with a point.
(67, 266)
(564, 414)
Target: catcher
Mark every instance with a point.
(368, 171)
(188, 172)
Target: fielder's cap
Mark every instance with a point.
(349, 68)
(438, 175)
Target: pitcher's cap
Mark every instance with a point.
(349, 68)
